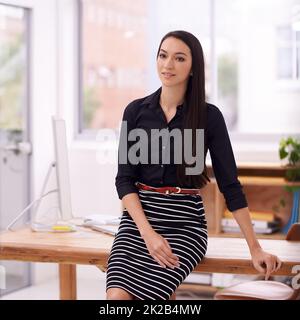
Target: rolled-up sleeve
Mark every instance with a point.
(223, 162)
(127, 173)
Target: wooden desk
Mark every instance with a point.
(224, 255)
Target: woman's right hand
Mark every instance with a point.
(160, 249)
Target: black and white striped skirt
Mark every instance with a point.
(180, 219)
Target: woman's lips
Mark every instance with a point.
(168, 75)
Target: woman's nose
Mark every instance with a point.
(169, 63)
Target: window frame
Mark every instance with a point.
(240, 140)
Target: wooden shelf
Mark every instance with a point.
(263, 185)
(267, 181)
(260, 165)
(263, 169)
(263, 181)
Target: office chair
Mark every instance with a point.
(263, 290)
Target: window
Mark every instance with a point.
(288, 53)
(255, 47)
(118, 46)
(114, 60)
(12, 67)
(14, 127)
(248, 45)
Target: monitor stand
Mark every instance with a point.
(58, 226)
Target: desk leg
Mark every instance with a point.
(67, 281)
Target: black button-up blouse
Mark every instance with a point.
(146, 113)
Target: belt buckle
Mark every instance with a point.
(179, 190)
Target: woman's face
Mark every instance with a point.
(174, 62)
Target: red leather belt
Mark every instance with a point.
(167, 190)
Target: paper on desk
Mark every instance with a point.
(109, 229)
(100, 219)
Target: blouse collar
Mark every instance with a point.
(153, 101)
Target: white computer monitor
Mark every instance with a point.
(62, 168)
(63, 188)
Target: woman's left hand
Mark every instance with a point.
(265, 262)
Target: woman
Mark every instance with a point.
(163, 232)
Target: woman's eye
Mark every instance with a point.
(163, 56)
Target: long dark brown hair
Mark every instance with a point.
(195, 115)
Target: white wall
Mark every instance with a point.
(93, 184)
